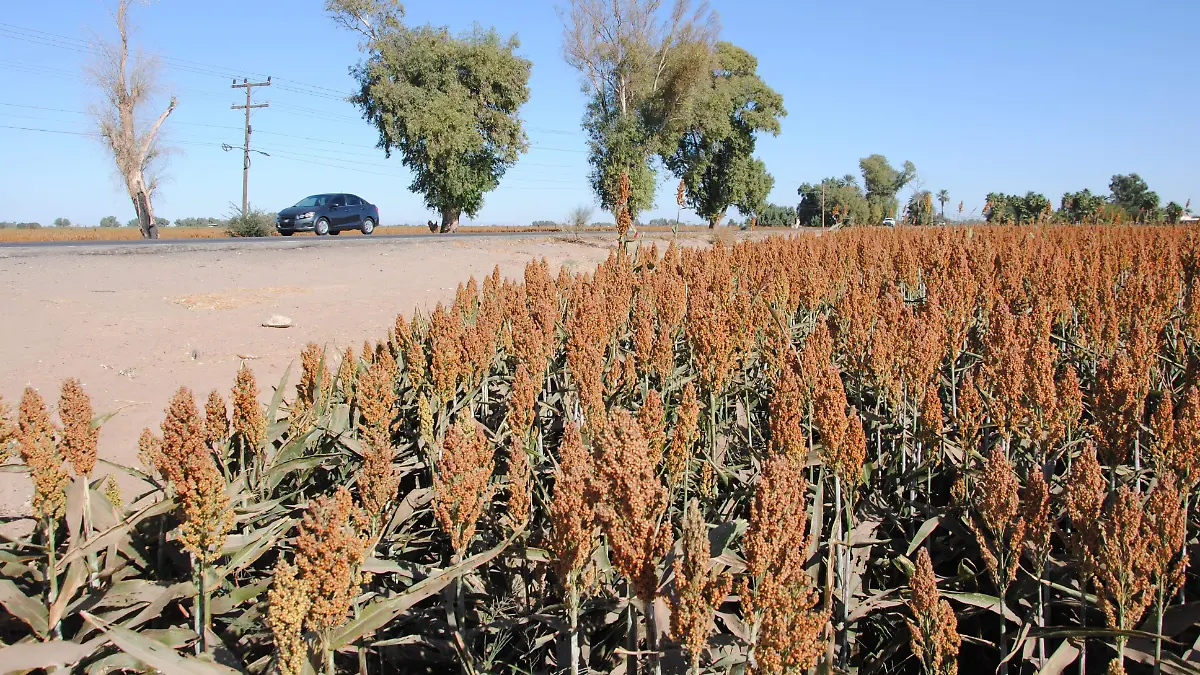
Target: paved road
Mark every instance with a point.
(284, 241)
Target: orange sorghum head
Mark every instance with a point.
(934, 627)
(522, 400)
(699, 587)
(216, 420)
(520, 483)
(1000, 529)
(249, 423)
(460, 482)
(288, 604)
(572, 519)
(348, 373)
(634, 502)
(653, 419)
(78, 441)
(329, 550)
(35, 434)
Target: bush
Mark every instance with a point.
(20, 226)
(202, 222)
(579, 217)
(253, 223)
(110, 221)
(161, 222)
(62, 222)
(545, 224)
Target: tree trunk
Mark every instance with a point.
(450, 218)
(145, 215)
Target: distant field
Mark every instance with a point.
(131, 234)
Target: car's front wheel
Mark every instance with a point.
(368, 226)
(321, 228)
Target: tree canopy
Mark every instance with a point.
(1011, 209)
(883, 183)
(773, 215)
(1081, 207)
(919, 210)
(845, 203)
(1132, 195)
(640, 71)
(448, 104)
(714, 154)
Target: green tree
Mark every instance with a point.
(920, 208)
(844, 203)
(161, 222)
(640, 72)
(1012, 209)
(1136, 198)
(773, 215)
(1173, 212)
(62, 222)
(883, 183)
(714, 154)
(943, 196)
(1081, 207)
(448, 104)
(110, 221)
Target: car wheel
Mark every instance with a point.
(335, 232)
(286, 233)
(368, 226)
(321, 228)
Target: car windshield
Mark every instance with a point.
(315, 200)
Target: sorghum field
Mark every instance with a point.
(874, 451)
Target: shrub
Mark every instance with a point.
(62, 222)
(579, 217)
(253, 223)
(110, 221)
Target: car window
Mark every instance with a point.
(315, 200)
(339, 200)
(351, 200)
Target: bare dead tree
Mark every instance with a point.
(126, 84)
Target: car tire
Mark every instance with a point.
(321, 228)
(335, 232)
(286, 233)
(368, 226)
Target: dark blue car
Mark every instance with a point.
(328, 214)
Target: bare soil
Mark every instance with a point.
(135, 323)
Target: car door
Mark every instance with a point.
(354, 207)
(338, 211)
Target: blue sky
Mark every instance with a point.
(1009, 97)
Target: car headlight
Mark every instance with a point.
(306, 214)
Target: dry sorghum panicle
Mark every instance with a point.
(312, 368)
(1122, 562)
(1184, 453)
(1035, 508)
(78, 443)
(8, 432)
(329, 551)
(1118, 406)
(448, 363)
(970, 417)
(934, 628)
(787, 414)
(1085, 492)
(460, 482)
(653, 419)
(779, 593)
(1162, 425)
(685, 432)
(634, 503)
(288, 604)
(425, 421)
(376, 396)
(699, 587)
(216, 420)
(149, 448)
(199, 486)
(1166, 525)
(35, 433)
(522, 399)
(999, 528)
(520, 483)
(931, 418)
(572, 519)
(249, 423)
(413, 349)
(348, 373)
(377, 482)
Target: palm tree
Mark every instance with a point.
(943, 196)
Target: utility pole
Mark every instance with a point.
(248, 86)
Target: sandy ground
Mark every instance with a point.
(135, 323)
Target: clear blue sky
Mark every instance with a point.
(1009, 96)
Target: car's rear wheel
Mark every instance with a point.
(368, 226)
(321, 228)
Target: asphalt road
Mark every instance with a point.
(283, 242)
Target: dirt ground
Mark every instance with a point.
(135, 323)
